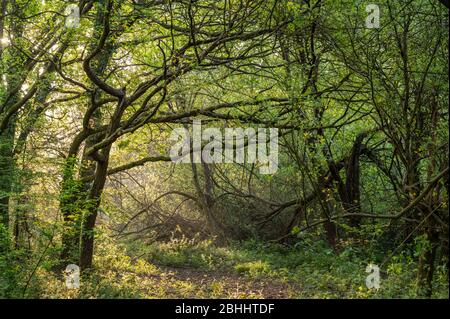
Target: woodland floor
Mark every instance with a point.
(197, 270)
(233, 284)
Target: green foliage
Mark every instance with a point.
(312, 269)
(85, 112)
(10, 269)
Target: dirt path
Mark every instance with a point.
(221, 284)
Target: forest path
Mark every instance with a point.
(218, 284)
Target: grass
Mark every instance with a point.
(192, 268)
(311, 268)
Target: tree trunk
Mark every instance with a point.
(70, 206)
(91, 210)
(6, 172)
(426, 266)
(352, 200)
(80, 210)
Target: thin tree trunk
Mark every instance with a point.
(426, 266)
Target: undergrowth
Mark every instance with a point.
(309, 269)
